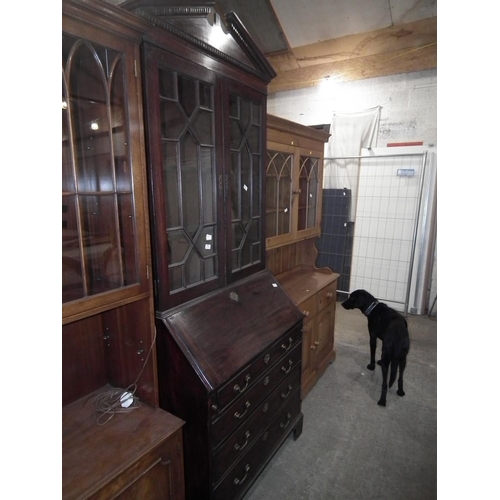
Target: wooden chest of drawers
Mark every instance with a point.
(230, 366)
(315, 293)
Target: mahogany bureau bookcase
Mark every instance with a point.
(229, 337)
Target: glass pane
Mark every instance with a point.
(202, 126)
(193, 269)
(99, 233)
(245, 177)
(172, 181)
(256, 184)
(167, 83)
(207, 184)
(205, 243)
(68, 182)
(190, 185)
(186, 90)
(235, 186)
(178, 247)
(119, 130)
(126, 258)
(206, 96)
(72, 271)
(175, 278)
(173, 119)
(99, 247)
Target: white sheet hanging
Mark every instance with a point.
(350, 132)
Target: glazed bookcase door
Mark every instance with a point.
(182, 115)
(103, 259)
(244, 190)
(309, 186)
(280, 193)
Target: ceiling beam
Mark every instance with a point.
(397, 49)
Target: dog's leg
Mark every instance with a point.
(373, 347)
(402, 366)
(385, 369)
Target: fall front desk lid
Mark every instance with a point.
(225, 330)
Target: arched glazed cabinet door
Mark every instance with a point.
(103, 250)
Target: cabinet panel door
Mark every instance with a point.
(324, 341)
(244, 179)
(104, 253)
(183, 116)
(308, 356)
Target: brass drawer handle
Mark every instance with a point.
(329, 295)
(239, 389)
(285, 395)
(237, 447)
(287, 347)
(240, 415)
(290, 363)
(240, 481)
(285, 425)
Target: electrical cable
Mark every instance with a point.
(118, 400)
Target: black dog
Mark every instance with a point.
(392, 329)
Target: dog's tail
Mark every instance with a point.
(394, 371)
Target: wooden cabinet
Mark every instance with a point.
(315, 293)
(231, 368)
(294, 179)
(229, 337)
(134, 455)
(293, 215)
(108, 338)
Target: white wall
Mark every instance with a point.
(408, 101)
(409, 111)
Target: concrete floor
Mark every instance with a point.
(350, 447)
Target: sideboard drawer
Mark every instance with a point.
(308, 308)
(245, 435)
(327, 295)
(243, 382)
(246, 403)
(250, 464)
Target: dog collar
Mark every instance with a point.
(370, 308)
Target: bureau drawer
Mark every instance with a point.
(250, 464)
(308, 308)
(327, 295)
(246, 434)
(243, 407)
(246, 379)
